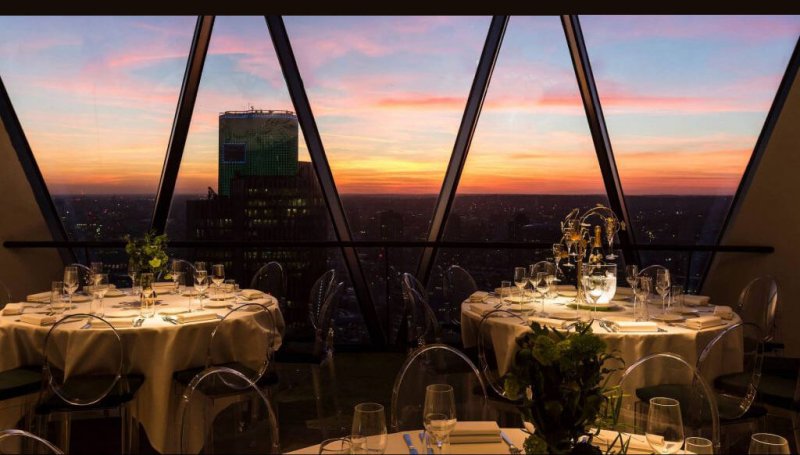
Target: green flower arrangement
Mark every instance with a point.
(560, 376)
(148, 253)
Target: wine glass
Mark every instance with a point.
(699, 446)
(176, 269)
(200, 285)
(595, 284)
(643, 294)
(664, 425)
(99, 290)
(232, 287)
(148, 299)
(768, 443)
(631, 275)
(218, 276)
(520, 280)
(551, 279)
(612, 227)
(662, 287)
(369, 434)
(542, 286)
(97, 267)
(439, 413)
(133, 273)
(57, 297)
(505, 291)
(569, 240)
(70, 281)
(558, 254)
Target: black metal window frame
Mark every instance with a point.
(462, 143)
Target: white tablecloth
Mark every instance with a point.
(630, 346)
(156, 350)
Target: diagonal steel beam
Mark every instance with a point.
(297, 91)
(469, 121)
(183, 118)
(25, 156)
(789, 76)
(597, 126)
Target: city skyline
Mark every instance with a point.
(388, 106)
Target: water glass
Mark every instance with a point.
(335, 446)
(439, 413)
(57, 297)
(97, 268)
(369, 434)
(200, 285)
(148, 308)
(231, 287)
(676, 297)
(71, 282)
(542, 286)
(177, 278)
(98, 292)
(664, 425)
(768, 443)
(505, 291)
(700, 446)
(521, 279)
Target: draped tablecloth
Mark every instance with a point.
(155, 350)
(688, 343)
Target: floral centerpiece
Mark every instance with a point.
(560, 378)
(148, 253)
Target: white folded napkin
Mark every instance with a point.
(724, 312)
(695, 300)
(37, 319)
(117, 323)
(637, 443)
(201, 315)
(265, 302)
(172, 311)
(478, 296)
(636, 326)
(90, 289)
(12, 309)
(41, 297)
(250, 294)
(550, 322)
(703, 322)
(475, 432)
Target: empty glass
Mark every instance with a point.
(768, 443)
(335, 446)
(631, 275)
(676, 297)
(99, 291)
(231, 287)
(148, 308)
(217, 276)
(700, 446)
(176, 271)
(662, 285)
(97, 268)
(520, 280)
(439, 413)
(505, 291)
(542, 285)
(70, 281)
(133, 273)
(664, 425)
(200, 285)
(644, 285)
(369, 434)
(57, 297)
(558, 254)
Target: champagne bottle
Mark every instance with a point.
(596, 254)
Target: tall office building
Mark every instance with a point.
(256, 142)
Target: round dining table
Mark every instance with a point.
(155, 349)
(630, 346)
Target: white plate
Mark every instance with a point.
(123, 314)
(668, 317)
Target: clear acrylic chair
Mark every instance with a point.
(13, 441)
(246, 424)
(84, 275)
(320, 291)
(458, 286)
(271, 279)
(91, 383)
(505, 403)
(421, 326)
(544, 267)
(758, 303)
(253, 322)
(667, 375)
(436, 364)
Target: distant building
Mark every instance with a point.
(391, 225)
(256, 142)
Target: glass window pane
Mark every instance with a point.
(96, 97)
(685, 98)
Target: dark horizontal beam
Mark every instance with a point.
(374, 244)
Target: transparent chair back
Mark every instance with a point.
(324, 337)
(254, 323)
(458, 285)
(666, 375)
(84, 275)
(422, 324)
(94, 364)
(733, 404)
(486, 354)
(319, 292)
(20, 441)
(244, 424)
(436, 364)
(270, 279)
(758, 303)
(5, 295)
(545, 267)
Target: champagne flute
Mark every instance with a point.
(369, 434)
(200, 285)
(631, 274)
(439, 413)
(558, 254)
(218, 276)
(664, 425)
(99, 290)
(70, 281)
(520, 280)
(662, 287)
(97, 267)
(133, 273)
(148, 303)
(768, 443)
(542, 286)
(612, 227)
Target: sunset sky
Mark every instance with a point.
(684, 98)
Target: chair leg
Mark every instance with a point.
(317, 381)
(796, 430)
(335, 393)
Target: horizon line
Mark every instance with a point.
(425, 194)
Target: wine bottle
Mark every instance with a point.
(596, 254)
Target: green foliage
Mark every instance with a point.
(560, 376)
(148, 253)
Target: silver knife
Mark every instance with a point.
(411, 449)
